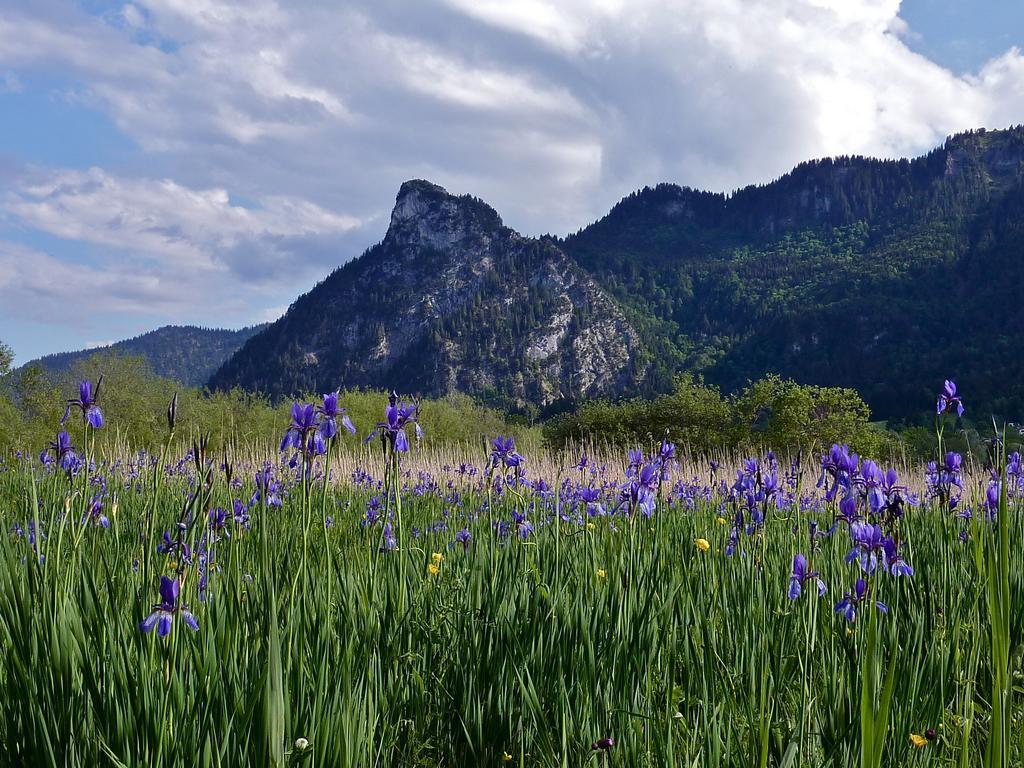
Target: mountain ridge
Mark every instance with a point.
(188, 354)
(782, 265)
(843, 271)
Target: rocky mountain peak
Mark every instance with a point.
(427, 216)
(995, 156)
(469, 306)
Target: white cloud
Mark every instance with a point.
(559, 25)
(549, 109)
(156, 248)
(428, 70)
(163, 221)
(1003, 80)
(37, 285)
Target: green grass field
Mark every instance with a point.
(507, 615)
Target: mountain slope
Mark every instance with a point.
(450, 300)
(886, 276)
(882, 275)
(183, 353)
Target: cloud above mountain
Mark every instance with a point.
(265, 140)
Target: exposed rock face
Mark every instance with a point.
(450, 300)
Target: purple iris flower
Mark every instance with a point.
(1014, 464)
(949, 400)
(734, 536)
(896, 494)
(63, 453)
(944, 481)
(953, 463)
(874, 486)
(667, 452)
(167, 544)
(817, 533)
(373, 510)
(894, 560)
(304, 423)
(523, 526)
(867, 543)
(95, 515)
(1014, 475)
(634, 458)
(397, 416)
(992, 499)
(770, 490)
(639, 493)
(315, 444)
(241, 514)
(848, 605)
(666, 456)
(29, 531)
(750, 466)
(744, 484)
(841, 466)
(176, 544)
(464, 537)
(218, 521)
(86, 402)
(504, 452)
(592, 498)
(801, 574)
(331, 414)
(164, 612)
(268, 489)
(389, 543)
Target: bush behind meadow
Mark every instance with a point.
(769, 414)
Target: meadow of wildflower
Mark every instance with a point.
(354, 601)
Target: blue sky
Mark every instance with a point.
(204, 162)
(964, 35)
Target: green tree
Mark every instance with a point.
(6, 359)
(779, 413)
(694, 414)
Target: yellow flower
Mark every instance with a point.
(432, 569)
(918, 741)
(437, 557)
(721, 521)
(601, 573)
(506, 757)
(591, 526)
(703, 545)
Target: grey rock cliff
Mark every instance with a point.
(450, 300)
